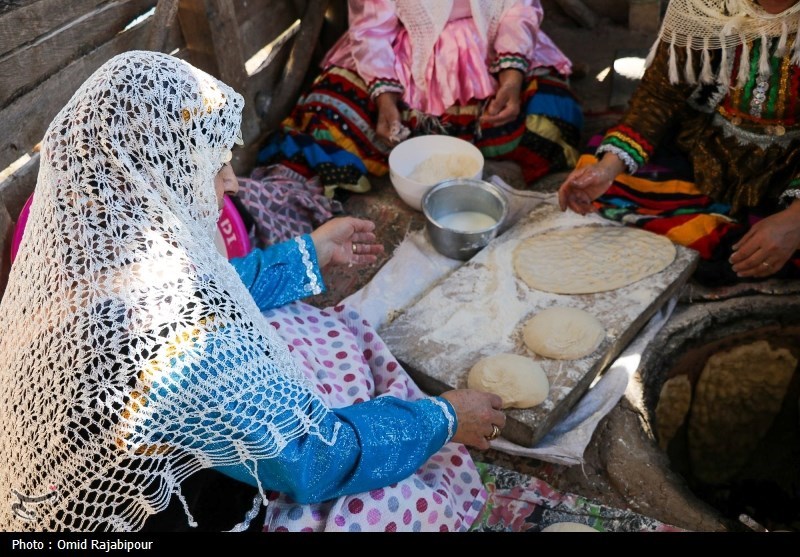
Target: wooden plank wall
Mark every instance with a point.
(49, 47)
(43, 61)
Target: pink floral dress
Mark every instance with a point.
(348, 363)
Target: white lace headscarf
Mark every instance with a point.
(707, 25)
(122, 325)
(425, 21)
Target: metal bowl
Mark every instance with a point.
(463, 215)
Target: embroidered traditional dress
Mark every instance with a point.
(443, 58)
(705, 160)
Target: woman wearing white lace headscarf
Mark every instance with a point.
(708, 152)
(134, 354)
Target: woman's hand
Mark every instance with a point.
(505, 105)
(477, 413)
(389, 125)
(586, 184)
(768, 245)
(346, 241)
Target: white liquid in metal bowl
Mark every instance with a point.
(466, 221)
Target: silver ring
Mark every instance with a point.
(495, 433)
(354, 247)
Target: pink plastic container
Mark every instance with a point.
(234, 234)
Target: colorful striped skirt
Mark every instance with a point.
(661, 197)
(331, 131)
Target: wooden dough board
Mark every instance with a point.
(478, 310)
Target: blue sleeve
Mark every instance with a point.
(281, 273)
(380, 442)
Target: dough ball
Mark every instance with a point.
(518, 380)
(568, 527)
(563, 333)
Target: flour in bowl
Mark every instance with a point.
(444, 166)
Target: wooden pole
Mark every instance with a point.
(275, 104)
(163, 20)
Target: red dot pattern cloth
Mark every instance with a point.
(347, 362)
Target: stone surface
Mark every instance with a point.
(672, 408)
(737, 397)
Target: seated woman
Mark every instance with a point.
(134, 355)
(481, 71)
(709, 151)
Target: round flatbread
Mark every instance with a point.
(518, 380)
(563, 333)
(591, 259)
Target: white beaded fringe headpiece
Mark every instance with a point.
(708, 25)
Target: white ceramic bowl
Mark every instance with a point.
(405, 157)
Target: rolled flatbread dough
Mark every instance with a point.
(568, 527)
(591, 259)
(563, 333)
(518, 380)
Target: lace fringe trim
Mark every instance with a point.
(251, 514)
(314, 287)
(451, 420)
(623, 155)
(791, 194)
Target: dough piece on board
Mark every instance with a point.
(568, 527)
(518, 380)
(563, 333)
(591, 259)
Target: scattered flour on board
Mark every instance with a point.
(466, 318)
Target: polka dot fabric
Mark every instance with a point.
(347, 362)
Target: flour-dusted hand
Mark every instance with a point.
(585, 184)
(388, 123)
(399, 133)
(346, 241)
(477, 413)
